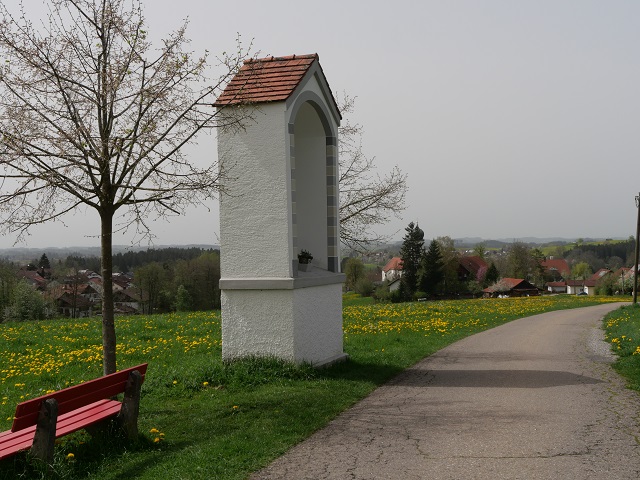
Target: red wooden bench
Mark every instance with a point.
(39, 421)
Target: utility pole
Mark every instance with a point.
(635, 265)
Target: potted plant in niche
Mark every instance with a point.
(304, 259)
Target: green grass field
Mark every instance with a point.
(622, 329)
(203, 419)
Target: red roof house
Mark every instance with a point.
(392, 270)
(512, 287)
(472, 267)
(600, 274)
(557, 267)
(557, 287)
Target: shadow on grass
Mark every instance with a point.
(153, 455)
(354, 370)
(76, 458)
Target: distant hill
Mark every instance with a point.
(53, 253)
(470, 242)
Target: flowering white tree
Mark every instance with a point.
(91, 116)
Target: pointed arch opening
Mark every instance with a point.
(314, 190)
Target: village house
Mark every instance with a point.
(392, 270)
(472, 267)
(585, 286)
(72, 306)
(33, 278)
(511, 287)
(128, 301)
(556, 268)
(557, 287)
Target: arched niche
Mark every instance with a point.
(314, 173)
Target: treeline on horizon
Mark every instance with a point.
(604, 254)
(129, 261)
(167, 279)
(621, 249)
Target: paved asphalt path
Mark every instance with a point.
(533, 399)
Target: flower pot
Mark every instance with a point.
(304, 267)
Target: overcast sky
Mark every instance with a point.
(511, 118)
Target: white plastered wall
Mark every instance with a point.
(299, 325)
(255, 210)
(268, 310)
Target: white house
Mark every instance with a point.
(392, 270)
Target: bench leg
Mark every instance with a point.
(128, 416)
(45, 437)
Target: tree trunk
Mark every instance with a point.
(108, 323)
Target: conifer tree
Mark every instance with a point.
(492, 275)
(431, 274)
(44, 262)
(411, 254)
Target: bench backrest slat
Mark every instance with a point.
(74, 397)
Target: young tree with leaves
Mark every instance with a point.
(26, 304)
(93, 116)
(519, 261)
(151, 280)
(354, 270)
(480, 250)
(451, 263)
(184, 303)
(8, 281)
(411, 254)
(581, 271)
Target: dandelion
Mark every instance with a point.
(205, 384)
(70, 456)
(154, 430)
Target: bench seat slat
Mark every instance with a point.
(73, 397)
(16, 441)
(97, 412)
(79, 406)
(13, 442)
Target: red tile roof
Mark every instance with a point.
(600, 273)
(394, 264)
(511, 283)
(624, 272)
(474, 264)
(270, 79)
(559, 264)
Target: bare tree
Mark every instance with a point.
(367, 199)
(92, 116)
